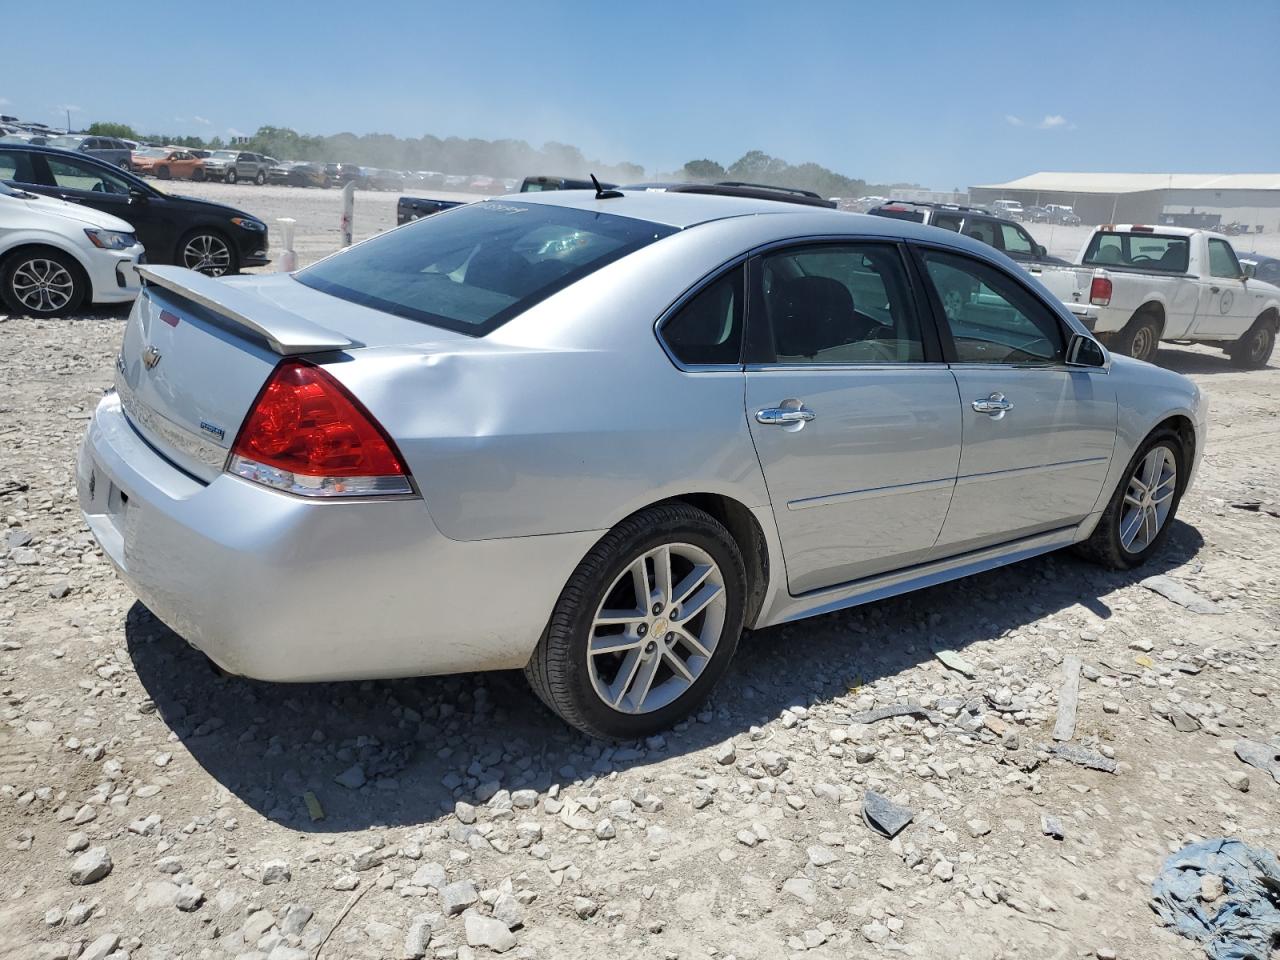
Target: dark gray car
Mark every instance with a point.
(109, 149)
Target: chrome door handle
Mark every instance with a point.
(1214, 289)
(785, 415)
(996, 405)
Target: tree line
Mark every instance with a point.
(503, 158)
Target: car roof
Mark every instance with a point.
(1254, 257)
(672, 209)
(1149, 228)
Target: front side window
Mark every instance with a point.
(991, 317)
(840, 304)
(1015, 241)
(1146, 251)
(73, 175)
(708, 328)
(1222, 260)
(473, 268)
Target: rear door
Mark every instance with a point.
(855, 419)
(1224, 297)
(1037, 434)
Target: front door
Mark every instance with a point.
(1037, 434)
(855, 420)
(1225, 301)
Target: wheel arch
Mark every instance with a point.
(1153, 308)
(1271, 315)
(54, 244)
(1182, 425)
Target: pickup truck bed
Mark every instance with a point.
(415, 208)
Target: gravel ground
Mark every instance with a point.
(152, 809)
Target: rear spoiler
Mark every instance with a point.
(285, 333)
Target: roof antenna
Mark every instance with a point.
(601, 192)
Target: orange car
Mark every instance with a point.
(168, 163)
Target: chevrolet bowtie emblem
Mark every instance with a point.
(150, 358)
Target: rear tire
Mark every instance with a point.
(1140, 338)
(662, 661)
(42, 282)
(1253, 350)
(198, 174)
(1115, 540)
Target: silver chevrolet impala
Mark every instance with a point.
(595, 436)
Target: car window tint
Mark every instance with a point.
(473, 268)
(1015, 241)
(708, 328)
(992, 318)
(16, 165)
(841, 304)
(981, 230)
(1222, 259)
(73, 175)
(947, 221)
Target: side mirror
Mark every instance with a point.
(1041, 250)
(1084, 351)
(1248, 270)
(138, 196)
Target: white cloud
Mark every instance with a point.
(1013, 121)
(233, 132)
(5, 101)
(1052, 120)
(201, 120)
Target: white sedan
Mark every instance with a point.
(56, 256)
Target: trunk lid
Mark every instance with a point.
(197, 351)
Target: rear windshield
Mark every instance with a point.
(473, 268)
(1145, 251)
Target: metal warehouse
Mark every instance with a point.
(1187, 199)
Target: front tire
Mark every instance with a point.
(260, 179)
(231, 176)
(1140, 338)
(1142, 509)
(646, 625)
(1253, 350)
(41, 282)
(162, 173)
(208, 252)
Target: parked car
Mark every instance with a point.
(340, 174)
(231, 166)
(538, 184)
(829, 438)
(56, 256)
(1137, 285)
(1063, 214)
(415, 208)
(109, 149)
(1265, 269)
(1003, 234)
(455, 180)
(303, 174)
(168, 163)
(1009, 209)
(209, 237)
(1036, 214)
(372, 178)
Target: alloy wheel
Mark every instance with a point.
(656, 628)
(43, 286)
(1148, 499)
(207, 253)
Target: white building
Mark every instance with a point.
(1249, 198)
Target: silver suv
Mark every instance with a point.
(233, 165)
(109, 149)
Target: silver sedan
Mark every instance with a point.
(596, 437)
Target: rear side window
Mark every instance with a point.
(473, 268)
(708, 328)
(1146, 251)
(16, 165)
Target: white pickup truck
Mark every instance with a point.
(1135, 285)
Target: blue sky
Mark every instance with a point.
(945, 94)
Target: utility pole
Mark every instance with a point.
(68, 119)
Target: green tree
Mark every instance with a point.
(704, 170)
(106, 129)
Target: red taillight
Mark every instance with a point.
(1100, 291)
(308, 435)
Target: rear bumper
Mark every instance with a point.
(279, 588)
